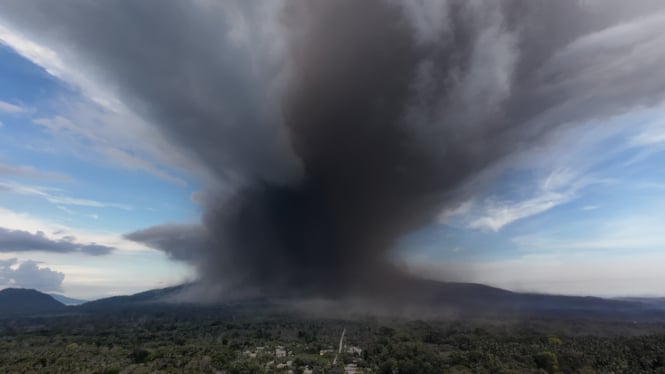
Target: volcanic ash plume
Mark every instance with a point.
(339, 126)
(392, 106)
(389, 109)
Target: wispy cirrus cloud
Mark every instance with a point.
(55, 65)
(86, 202)
(134, 162)
(75, 213)
(652, 134)
(570, 161)
(11, 108)
(98, 117)
(53, 196)
(493, 213)
(28, 171)
(107, 135)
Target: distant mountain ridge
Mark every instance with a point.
(67, 300)
(21, 301)
(467, 299)
(482, 299)
(139, 299)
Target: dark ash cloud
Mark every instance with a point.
(28, 274)
(181, 242)
(23, 241)
(333, 128)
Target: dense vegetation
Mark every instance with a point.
(244, 340)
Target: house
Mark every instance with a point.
(354, 350)
(351, 369)
(280, 351)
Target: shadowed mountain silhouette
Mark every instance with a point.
(15, 301)
(466, 299)
(68, 300)
(161, 295)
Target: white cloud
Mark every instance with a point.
(29, 274)
(497, 214)
(11, 108)
(558, 187)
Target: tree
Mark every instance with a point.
(547, 361)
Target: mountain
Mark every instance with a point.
(466, 299)
(67, 300)
(462, 299)
(655, 302)
(136, 300)
(21, 301)
(481, 300)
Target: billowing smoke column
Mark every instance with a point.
(387, 124)
(339, 126)
(377, 159)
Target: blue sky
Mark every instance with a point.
(581, 215)
(580, 212)
(56, 180)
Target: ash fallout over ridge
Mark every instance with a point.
(327, 130)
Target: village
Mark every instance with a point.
(283, 359)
